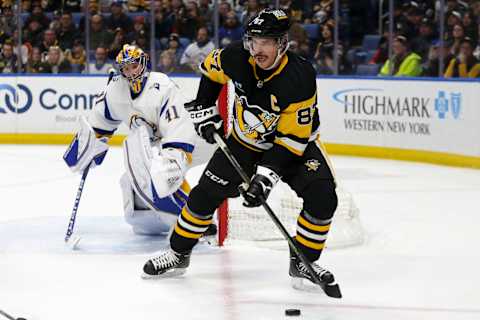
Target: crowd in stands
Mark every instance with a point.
(53, 34)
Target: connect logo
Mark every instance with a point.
(12, 98)
(445, 104)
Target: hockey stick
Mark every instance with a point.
(331, 291)
(73, 217)
(9, 317)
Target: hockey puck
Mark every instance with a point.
(21, 319)
(292, 312)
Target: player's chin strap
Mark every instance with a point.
(332, 291)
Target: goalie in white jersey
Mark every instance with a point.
(159, 146)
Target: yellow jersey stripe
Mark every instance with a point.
(309, 244)
(191, 218)
(312, 226)
(187, 234)
(289, 147)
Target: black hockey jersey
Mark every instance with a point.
(278, 110)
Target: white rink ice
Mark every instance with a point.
(421, 259)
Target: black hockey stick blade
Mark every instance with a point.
(331, 290)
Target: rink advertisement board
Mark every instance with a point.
(439, 116)
(52, 105)
(417, 115)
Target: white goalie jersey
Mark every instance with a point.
(159, 105)
(158, 148)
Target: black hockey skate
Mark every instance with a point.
(168, 264)
(298, 271)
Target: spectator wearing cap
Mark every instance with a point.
(67, 32)
(71, 5)
(118, 18)
(435, 53)
(100, 65)
(175, 47)
(142, 41)
(422, 42)
(464, 65)
(453, 18)
(55, 62)
(414, 16)
(231, 30)
(404, 62)
(99, 36)
(197, 51)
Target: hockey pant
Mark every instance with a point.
(311, 177)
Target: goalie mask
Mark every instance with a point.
(133, 65)
(268, 23)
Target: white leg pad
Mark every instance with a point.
(144, 220)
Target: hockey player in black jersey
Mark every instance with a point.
(275, 136)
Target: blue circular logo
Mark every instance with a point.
(12, 94)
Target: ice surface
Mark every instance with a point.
(420, 261)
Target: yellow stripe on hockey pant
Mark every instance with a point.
(312, 226)
(186, 234)
(309, 244)
(191, 218)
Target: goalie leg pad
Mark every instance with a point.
(157, 179)
(144, 220)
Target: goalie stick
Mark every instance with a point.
(73, 217)
(330, 290)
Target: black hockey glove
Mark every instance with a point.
(260, 186)
(206, 120)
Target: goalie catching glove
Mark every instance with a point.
(206, 120)
(260, 186)
(85, 148)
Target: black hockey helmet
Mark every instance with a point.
(271, 23)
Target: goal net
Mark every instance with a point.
(238, 223)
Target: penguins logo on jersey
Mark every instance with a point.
(312, 164)
(254, 122)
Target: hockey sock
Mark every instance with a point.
(188, 229)
(311, 234)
